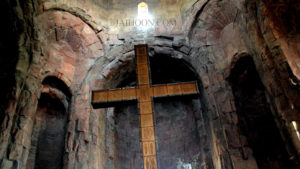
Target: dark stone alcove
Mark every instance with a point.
(177, 123)
(48, 138)
(50, 145)
(177, 133)
(256, 120)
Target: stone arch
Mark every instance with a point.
(233, 63)
(69, 47)
(210, 18)
(197, 9)
(126, 59)
(54, 82)
(257, 125)
(59, 76)
(56, 94)
(50, 123)
(82, 15)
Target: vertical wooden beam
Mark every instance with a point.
(145, 94)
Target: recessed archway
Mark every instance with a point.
(48, 138)
(178, 124)
(255, 119)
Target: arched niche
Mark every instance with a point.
(55, 82)
(48, 137)
(255, 118)
(180, 126)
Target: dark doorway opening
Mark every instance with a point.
(256, 120)
(50, 144)
(48, 136)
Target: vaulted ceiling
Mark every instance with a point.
(104, 12)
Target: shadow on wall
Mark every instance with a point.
(48, 138)
(51, 121)
(256, 120)
(9, 54)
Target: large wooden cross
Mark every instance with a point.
(144, 94)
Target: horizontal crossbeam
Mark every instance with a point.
(111, 98)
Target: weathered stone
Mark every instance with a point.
(163, 42)
(6, 164)
(185, 50)
(239, 163)
(15, 152)
(163, 50)
(232, 135)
